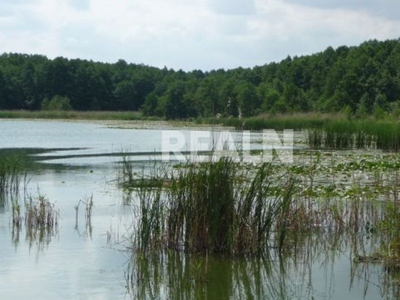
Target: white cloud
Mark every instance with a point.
(233, 7)
(385, 8)
(187, 34)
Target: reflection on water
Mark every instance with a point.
(312, 269)
(88, 205)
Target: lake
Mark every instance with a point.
(78, 160)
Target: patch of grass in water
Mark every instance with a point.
(206, 209)
(221, 207)
(11, 172)
(356, 134)
(40, 219)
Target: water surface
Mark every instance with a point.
(75, 161)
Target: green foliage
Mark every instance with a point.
(212, 207)
(59, 103)
(11, 173)
(362, 80)
(80, 115)
(356, 134)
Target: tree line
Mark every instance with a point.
(360, 80)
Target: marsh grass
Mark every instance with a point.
(74, 115)
(389, 228)
(213, 207)
(240, 210)
(41, 218)
(334, 131)
(340, 203)
(37, 216)
(11, 173)
(16, 212)
(356, 134)
(225, 207)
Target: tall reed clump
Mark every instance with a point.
(359, 134)
(390, 230)
(215, 207)
(387, 135)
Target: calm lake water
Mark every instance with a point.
(77, 160)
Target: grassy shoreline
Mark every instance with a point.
(332, 131)
(73, 115)
(296, 121)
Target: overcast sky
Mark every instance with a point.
(192, 34)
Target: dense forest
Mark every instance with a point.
(361, 80)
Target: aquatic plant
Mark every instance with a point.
(88, 203)
(11, 173)
(213, 207)
(236, 209)
(16, 212)
(355, 134)
(40, 212)
(41, 218)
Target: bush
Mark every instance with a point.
(57, 103)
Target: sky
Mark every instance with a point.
(192, 34)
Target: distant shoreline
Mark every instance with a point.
(111, 119)
(72, 114)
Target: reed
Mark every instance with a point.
(11, 171)
(356, 134)
(389, 228)
(37, 215)
(213, 207)
(88, 204)
(333, 131)
(235, 209)
(40, 213)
